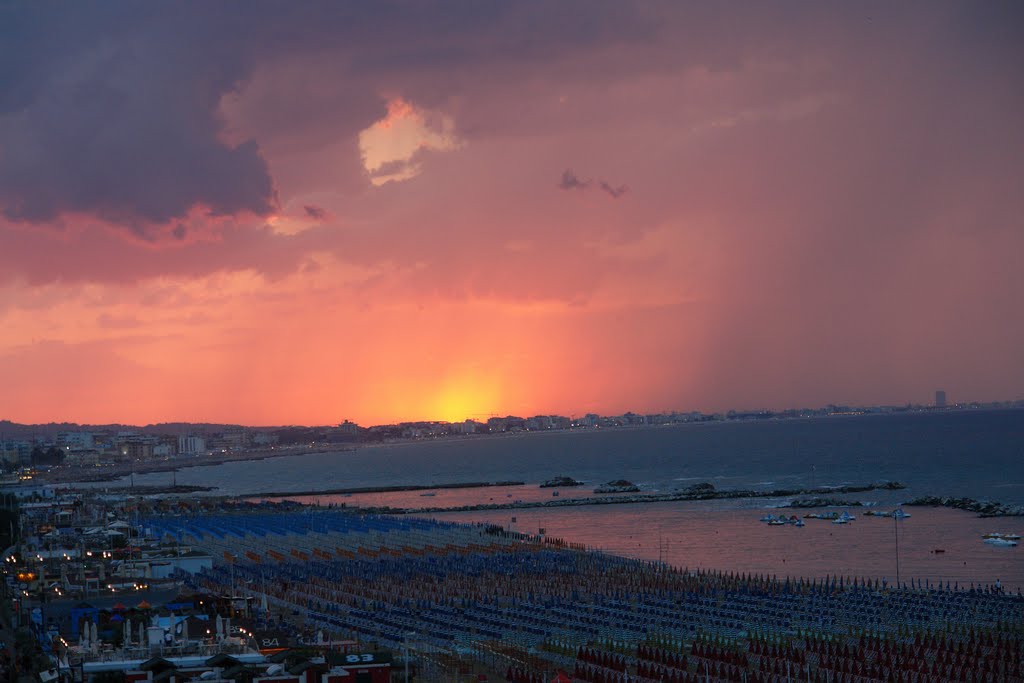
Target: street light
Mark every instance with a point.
(896, 533)
(405, 650)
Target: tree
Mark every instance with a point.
(51, 456)
(9, 525)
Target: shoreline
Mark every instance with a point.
(120, 471)
(83, 474)
(691, 494)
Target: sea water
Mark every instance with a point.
(976, 454)
(965, 454)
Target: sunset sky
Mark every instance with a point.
(300, 213)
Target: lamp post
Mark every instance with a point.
(896, 533)
(405, 650)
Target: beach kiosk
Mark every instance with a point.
(359, 667)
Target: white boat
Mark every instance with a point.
(1005, 537)
(799, 522)
(1001, 542)
(844, 518)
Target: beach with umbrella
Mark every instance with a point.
(530, 606)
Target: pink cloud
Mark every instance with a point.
(822, 206)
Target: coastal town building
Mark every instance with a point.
(75, 440)
(137, 449)
(15, 452)
(191, 445)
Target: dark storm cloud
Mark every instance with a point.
(112, 109)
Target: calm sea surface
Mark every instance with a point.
(973, 454)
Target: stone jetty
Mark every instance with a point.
(984, 508)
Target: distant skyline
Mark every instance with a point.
(830, 409)
(265, 214)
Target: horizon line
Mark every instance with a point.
(1005, 403)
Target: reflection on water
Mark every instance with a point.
(968, 454)
(727, 535)
(696, 535)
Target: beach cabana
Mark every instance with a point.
(156, 665)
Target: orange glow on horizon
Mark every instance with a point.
(334, 229)
(467, 397)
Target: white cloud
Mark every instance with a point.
(390, 147)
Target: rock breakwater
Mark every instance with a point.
(983, 508)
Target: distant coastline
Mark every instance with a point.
(936, 453)
(87, 474)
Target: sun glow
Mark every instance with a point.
(466, 398)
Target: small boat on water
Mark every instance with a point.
(844, 518)
(1001, 542)
(782, 520)
(559, 482)
(1005, 537)
(898, 513)
(428, 494)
